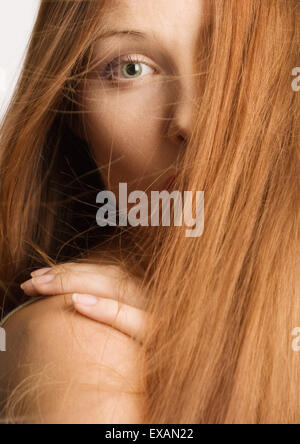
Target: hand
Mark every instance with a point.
(96, 293)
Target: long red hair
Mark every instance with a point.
(227, 302)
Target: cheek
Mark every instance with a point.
(127, 127)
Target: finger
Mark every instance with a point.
(40, 271)
(110, 270)
(30, 290)
(103, 284)
(76, 266)
(123, 317)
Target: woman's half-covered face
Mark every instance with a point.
(140, 100)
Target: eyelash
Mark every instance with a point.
(123, 60)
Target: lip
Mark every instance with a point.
(169, 182)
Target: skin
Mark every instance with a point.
(142, 128)
(95, 294)
(137, 125)
(154, 114)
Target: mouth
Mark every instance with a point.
(168, 185)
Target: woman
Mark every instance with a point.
(202, 333)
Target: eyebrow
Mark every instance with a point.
(127, 32)
(134, 34)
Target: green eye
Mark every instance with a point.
(127, 68)
(130, 70)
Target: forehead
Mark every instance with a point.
(174, 21)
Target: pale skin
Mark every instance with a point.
(153, 109)
(95, 294)
(139, 116)
(142, 126)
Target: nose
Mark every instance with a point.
(181, 118)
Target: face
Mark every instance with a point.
(139, 103)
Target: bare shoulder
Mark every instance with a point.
(64, 368)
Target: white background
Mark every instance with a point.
(16, 21)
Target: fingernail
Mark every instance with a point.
(43, 279)
(40, 271)
(27, 286)
(84, 299)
